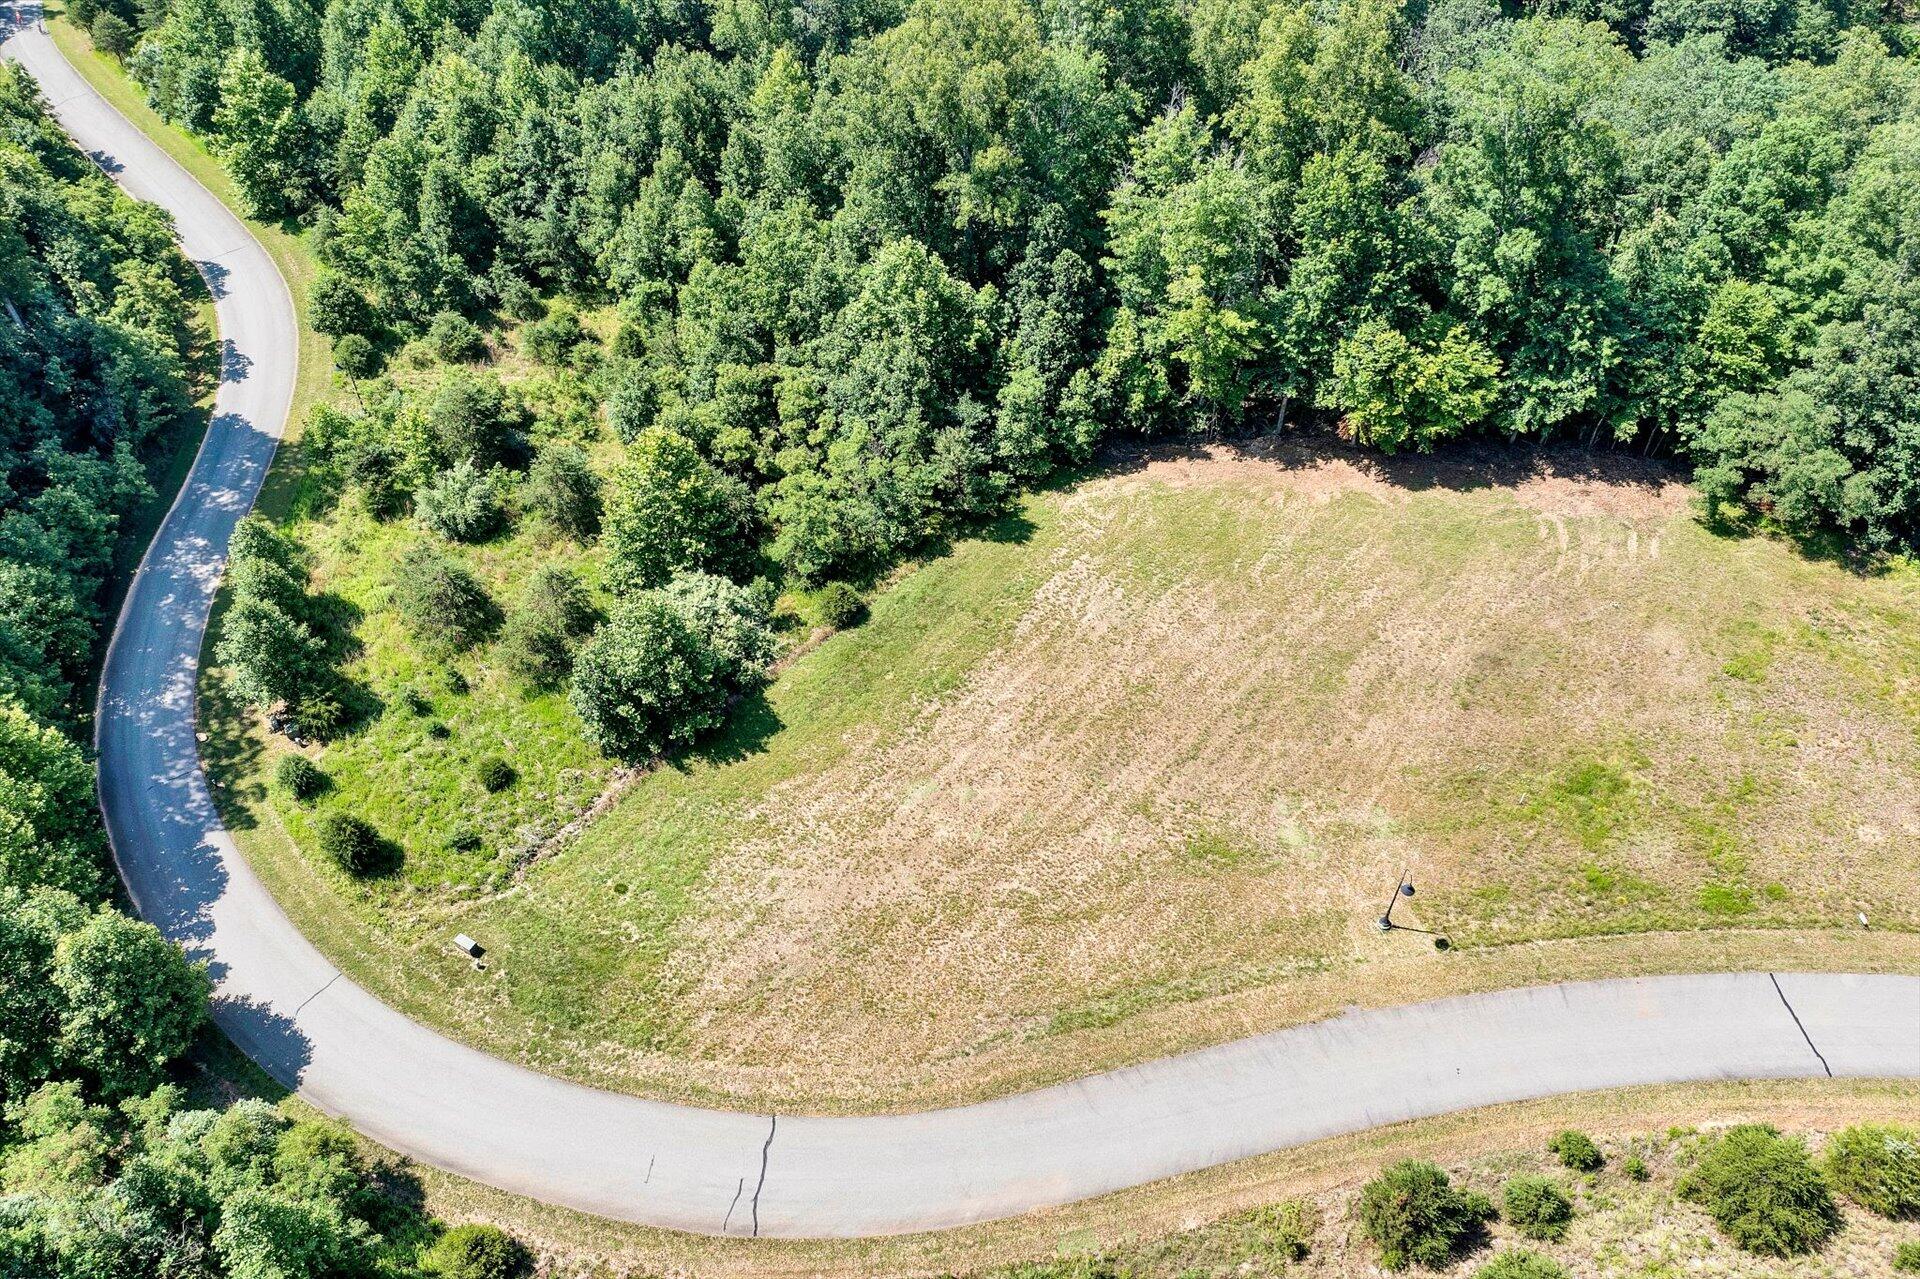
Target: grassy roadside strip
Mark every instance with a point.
(288, 248)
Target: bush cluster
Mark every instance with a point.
(1878, 1167)
(1416, 1216)
(1538, 1208)
(1763, 1190)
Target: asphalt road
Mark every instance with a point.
(719, 1172)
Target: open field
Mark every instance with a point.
(1136, 772)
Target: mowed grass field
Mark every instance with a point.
(1138, 770)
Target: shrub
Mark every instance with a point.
(1518, 1263)
(1417, 1217)
(564, 489)
(463, 839)
(554, 615)
(455, 338)
(495, 774)
(112, 34)
(837, 605)
(633, 404)
(1764, 1192)
(299, 777)
(1538, 1208)
(468, 420)
(1283, 1230)
(1636, 1168)
(336, 308)
(354, 845)
(1576, 1150)
(518, 300)
(442, 602)
(478, 1252)
(1878, 1167)
(461, 504)
(645, 682)
(1906, 1258)
(552, 340)
(355, 356)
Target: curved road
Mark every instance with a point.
(720, 1172)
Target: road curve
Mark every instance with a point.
(722, 1172)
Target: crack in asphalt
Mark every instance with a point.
(1798, 1024)
(728, 1219)
(315, 995)
(773, 1126)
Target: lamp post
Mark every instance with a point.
(1386, 925)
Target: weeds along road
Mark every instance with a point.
(720, 1172)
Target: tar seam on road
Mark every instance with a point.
(773, 1126)
(1796, 1021)
(728, 1219)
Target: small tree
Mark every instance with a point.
(336, 307)
(478, 1252)
(442, 602)
(1517, 1263)
(1878, 1167)
(729, 620)
(645, 682)
(669, 511)
(837, 605)
(563, 488)
(468, 420)
(1538, 1208)
(133, 1002)
(1764, 1192)
(461, 503)
(1576, 1150)
(264, 1234)
(355, 356)
(633, 403)
(112, 34)
(1417, 1217)
(270, 658)
(455, 338)
(1397, 392)
(552, 340)
(354, 845)
(299, 777)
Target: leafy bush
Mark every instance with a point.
(494, 774)
(461, 504)
(1538, 1208)
(837, 605)
(729, 619)
(1576, 1150)
(299, 777)
(455, 338)
(1518, 1263)
(442, 602)
(1416, 1216)
(563, 488)
(354, 845)
(1878, 1167)
(645, 682)
(478, 1252)
(1763, 1190)
(554, 615)
(1906, 1258)
(1636, 1168)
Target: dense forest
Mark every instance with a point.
(884, 262)
(108, 1169)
